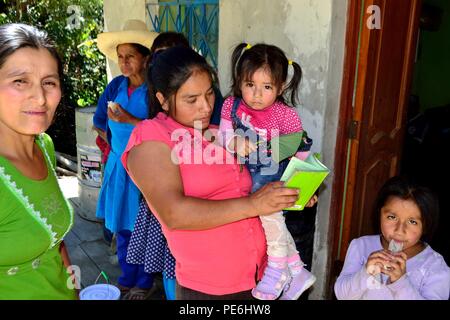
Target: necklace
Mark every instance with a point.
(25, 201)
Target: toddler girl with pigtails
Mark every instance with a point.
(255, 113)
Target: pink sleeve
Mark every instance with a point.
(147, 130)
(226, 108)
(226, 132)
(291, 122)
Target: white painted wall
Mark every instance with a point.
(301, 28)
(312, 33)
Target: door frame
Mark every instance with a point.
(346, 152)
(342, 144)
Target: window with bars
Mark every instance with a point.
(198, 20)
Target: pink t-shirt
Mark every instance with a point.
(267, 122)
(218, 261)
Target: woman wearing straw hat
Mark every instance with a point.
(123, 104)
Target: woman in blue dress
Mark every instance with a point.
(127, 104)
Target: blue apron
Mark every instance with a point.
(118, 201)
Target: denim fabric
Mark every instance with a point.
(259, 163)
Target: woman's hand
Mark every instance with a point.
(273, 197)
(119, 114)
(101, 133)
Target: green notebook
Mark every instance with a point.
(305, 175)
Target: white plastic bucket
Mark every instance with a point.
(100, 291)
(86, 135)
(89, 163)
(87, 201)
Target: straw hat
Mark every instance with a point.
(133, 31)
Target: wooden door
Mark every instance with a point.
(380, 89)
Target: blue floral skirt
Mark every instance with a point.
(148, 245)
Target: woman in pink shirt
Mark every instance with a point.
(196, 189)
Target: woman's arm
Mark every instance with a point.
(123, 116)
(159, 180)
(66, 261)
(64, 254)
(101, 117)
(101, 133)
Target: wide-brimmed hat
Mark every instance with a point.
(133, 31)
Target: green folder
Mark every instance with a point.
(305, 175)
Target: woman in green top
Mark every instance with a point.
(34, 216)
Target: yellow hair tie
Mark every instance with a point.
(290, 62)
(249, 46)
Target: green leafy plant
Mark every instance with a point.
(73, 25)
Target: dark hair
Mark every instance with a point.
(406, 188)
(169, 39)
(170, 70)
(144, 51)
(245, 62)
(15, 36)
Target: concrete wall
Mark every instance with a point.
(116, 12)
(332, 92)
(311, 33)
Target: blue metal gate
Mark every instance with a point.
(198, 20)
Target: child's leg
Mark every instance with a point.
(295, 263)
(301, 279)
(144, 280)
(128, 276)
(276, 274)
(276, 234)
(133, 275)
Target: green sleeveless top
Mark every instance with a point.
(34, 218)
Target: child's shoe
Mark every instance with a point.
(276, 276)
(299, 283)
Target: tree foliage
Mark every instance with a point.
(73, 25)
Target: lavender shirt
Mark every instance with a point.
(427, 276)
